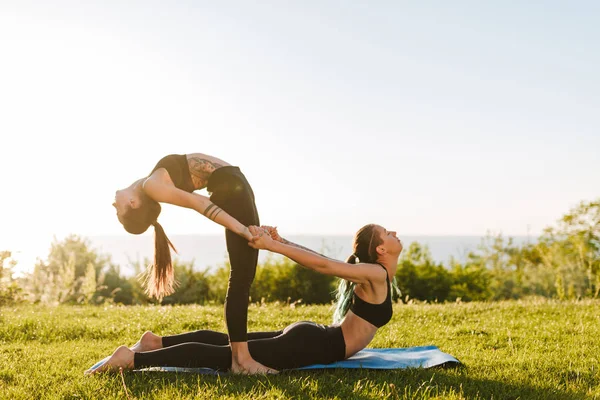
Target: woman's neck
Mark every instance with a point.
(137, 185)
(390, 263)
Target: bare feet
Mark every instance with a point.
(121, 358)
(149, 341)
(243, 363)
(250, 367)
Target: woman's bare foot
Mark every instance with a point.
(149, 341)
(243, 363)
(250, 367)
(121, 358)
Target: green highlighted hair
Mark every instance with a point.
(366, 241)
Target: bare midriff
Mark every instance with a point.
(358, 333)
(201, 168)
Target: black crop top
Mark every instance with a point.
(177, 167)
(376, 314)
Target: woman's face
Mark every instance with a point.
(390, 241)
(124, 200)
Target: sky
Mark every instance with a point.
(430, 118)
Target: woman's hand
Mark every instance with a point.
(248, 235)
(261, 238)
(273, 232)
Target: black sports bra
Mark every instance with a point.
(177, 167)
(376, 314)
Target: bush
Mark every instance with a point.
(281, 279)
(192, 286)
(114, 288)
(419, 277)
(278, 279)
(470, 282)
(10, 291)
(69, 275)
(564, 263)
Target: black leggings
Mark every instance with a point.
(231, 191)
(298, 345)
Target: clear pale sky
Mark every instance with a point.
(433, 118)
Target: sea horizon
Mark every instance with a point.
(209, 251)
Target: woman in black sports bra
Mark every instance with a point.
(231, 204)
(364, 304)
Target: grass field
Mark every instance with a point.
(527, 350)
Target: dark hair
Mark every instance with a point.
(365, 245)
(159, 280)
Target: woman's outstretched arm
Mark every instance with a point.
(167, 193)
(275, 236)
(358, 273)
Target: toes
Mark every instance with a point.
(94, 367)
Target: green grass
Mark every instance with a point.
(526, 350)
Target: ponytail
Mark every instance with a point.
(160, 279)
(343, 294)
(366, 241)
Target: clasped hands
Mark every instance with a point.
(263, 237)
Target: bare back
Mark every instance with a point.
(201, 168)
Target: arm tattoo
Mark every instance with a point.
(285, 241)
(214, 216)
(207, 209)
(200, 170)
(212, 211)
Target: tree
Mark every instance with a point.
(69, 274)
(572, 250)
(419, 277)
(10, 291)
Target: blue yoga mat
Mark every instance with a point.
(411, 357)
(399, 358)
